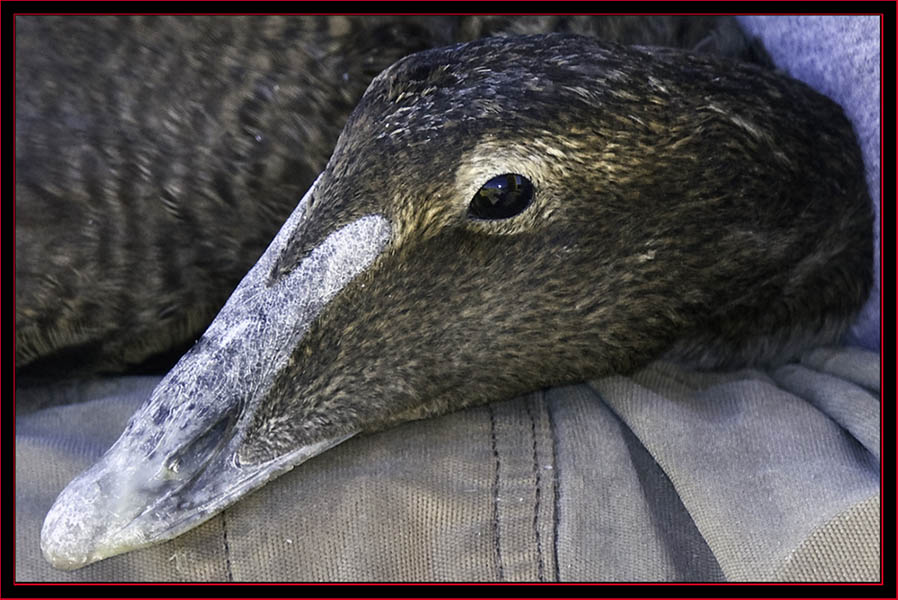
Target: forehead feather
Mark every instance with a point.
(484, 79)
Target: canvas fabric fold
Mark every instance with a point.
(667, 475)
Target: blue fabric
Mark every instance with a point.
(838, 56)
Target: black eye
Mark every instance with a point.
(501, 197)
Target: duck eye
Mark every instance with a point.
(501, 197)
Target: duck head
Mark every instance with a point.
(497, 217)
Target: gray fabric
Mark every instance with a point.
(846, 363)
(616, 503)
(745, 456)
(838, 56)
(668, 475)
(845, 549)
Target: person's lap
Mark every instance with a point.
(667, 475)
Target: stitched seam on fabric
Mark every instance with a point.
(495, 493)
(540, 568)
(227, 548)
(556, 493)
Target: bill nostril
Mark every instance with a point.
(189, 462)
(278, 270)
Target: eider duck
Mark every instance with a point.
(499, 216)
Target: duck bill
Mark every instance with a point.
(177, 463)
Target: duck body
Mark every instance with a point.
(682, 204)
(168, 152)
